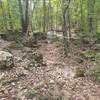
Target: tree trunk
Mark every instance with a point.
(4, 18)
(91, 5)
(21, 16)
(10, 18)
(44, 16)
(64, 28)
(27, 16)
(81, 24)
(69, 21)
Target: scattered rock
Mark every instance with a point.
(49, 83)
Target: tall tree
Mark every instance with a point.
(65, 5)
(24, 15)
(21, 16)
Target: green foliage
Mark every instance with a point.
(89, 54)
(94, 71)
(79, 11)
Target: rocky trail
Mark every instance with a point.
(54, 80)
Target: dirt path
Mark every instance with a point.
(55, 61)
(60, 72)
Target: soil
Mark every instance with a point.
(53, 80)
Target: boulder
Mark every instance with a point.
(6, 60)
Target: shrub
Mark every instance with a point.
(94, 72)
(90, 54)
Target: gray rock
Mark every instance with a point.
(6, 60)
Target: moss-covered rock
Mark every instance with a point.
(6, 60)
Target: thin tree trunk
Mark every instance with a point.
(10, 17)
(4, 18)
(64, 27)
(91, 5)
(81, 24)
(44, 16)
(27, 16)
(21, 16)
(69, 21)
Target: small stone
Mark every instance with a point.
(52, 81)
(13, 83)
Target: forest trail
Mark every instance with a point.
(55, 61)
(55, 81)
(60, 73)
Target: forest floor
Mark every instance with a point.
(55, 81)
